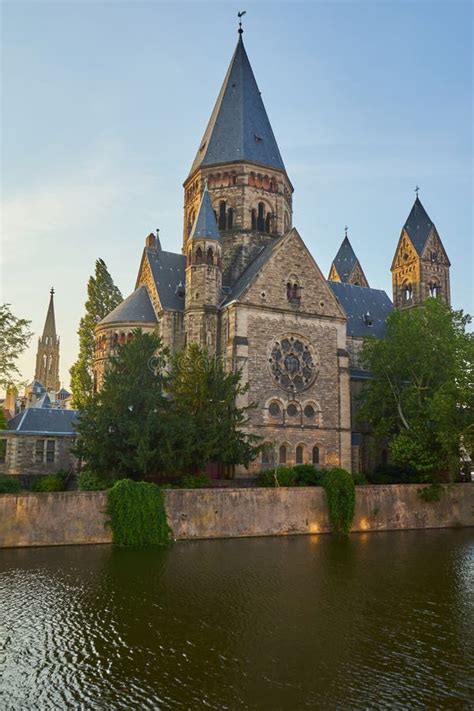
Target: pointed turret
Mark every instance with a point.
(420, 267)
(205, 224)
(346, 267)
(239, 128)
(47, 356)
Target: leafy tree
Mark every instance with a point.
(422, 395)
(121, 428)
(15, 336)
(102, 297)
(206, 423)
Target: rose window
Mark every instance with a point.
(292, 363)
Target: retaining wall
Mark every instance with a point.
(79, 517)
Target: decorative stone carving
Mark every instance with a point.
(293, 363)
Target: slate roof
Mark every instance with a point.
(357, 302)
(136, 308)
(345, 260)
(418, 225)
(168, 272)
(239, 128)
(205, 224)
(35, 420)
(247, 276)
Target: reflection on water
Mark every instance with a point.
(379, 621)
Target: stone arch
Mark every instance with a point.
(266, 182)
(198, 256)
(407, 291)
(293, 410)
(274, 407)
(284, 453)
(210, 256)
(300, 453)
(312, 413)
(251, 180)
(434, 288)
(316, 454)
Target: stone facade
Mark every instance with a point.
(38, 454)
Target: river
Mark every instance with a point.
(377, 621)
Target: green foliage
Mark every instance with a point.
(15, 336)
(92, 481)
(102, 297)
(393, 474)
(360, 479)
(195, 481)
(299, 475)
(308, 475)
(431, 493)
(137, 514)
(51, 482)
(206, 425)
(422, 395)
(124, 429)
(340, 492)
(9, 485)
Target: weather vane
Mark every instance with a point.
(417, 190)
(240, 16)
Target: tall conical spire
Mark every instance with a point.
(50, 323)
(418, 225)
(205, 224)
(239, 128)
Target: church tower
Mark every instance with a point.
(203, 277)
(346, 267)
(420, 267)
(249, 188)
(47, 356)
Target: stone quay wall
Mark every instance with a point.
(67, 518)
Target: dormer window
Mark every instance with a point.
(368, 319)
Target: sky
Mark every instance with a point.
(104, 105)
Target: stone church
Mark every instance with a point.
(246, 286)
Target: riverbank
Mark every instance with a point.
(69, 518)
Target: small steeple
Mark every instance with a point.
(205, 224)
(50, 323)
(418, 225)
(346, 267)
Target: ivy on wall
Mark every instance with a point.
(340, 493)
(137, 514)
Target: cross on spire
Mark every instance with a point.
(52, 291)
(345, 231)
(417, 190)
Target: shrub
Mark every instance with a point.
(308, 475)
(340, 492)
(197, 481)
(360, 479)
(431, 493)
(393, 474)
(137, 514)
(51, 482)
(9, 485)
(281, 476)
(92, 481)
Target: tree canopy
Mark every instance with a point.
(102, 297)
(421, 397)
(157, 414)
(15, 336)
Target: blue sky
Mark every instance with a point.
(104, 105)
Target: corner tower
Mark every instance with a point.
(346, 267)
(249, 188)
(420, 267)
(203, 277)
(47, 356)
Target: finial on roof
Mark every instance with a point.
(52, 291)
(345, 231)
(240, 16)
(417, 190)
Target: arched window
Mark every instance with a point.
(289, 290)
(222, 216)
(116, 337)
(299, 454)
(292, 410)
(261, 217)
(230, 218)
(268, 222)
(295, 292)
(210, 256)
(434, 290)
(315, 455)
(407, 291)
(266, 182)
(233, 179)
(252, 179)
(274, 409)
(198, 259)
(254, 220)
(282, 454)
(266, 453)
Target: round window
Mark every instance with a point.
(309, 412)
(274, 409)
(292, 410)
(293, 363)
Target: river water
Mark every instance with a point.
(378, 621)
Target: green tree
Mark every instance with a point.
(421, 397)
(15, 336)
(206, 423)
(102, 297)
(121, 429)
